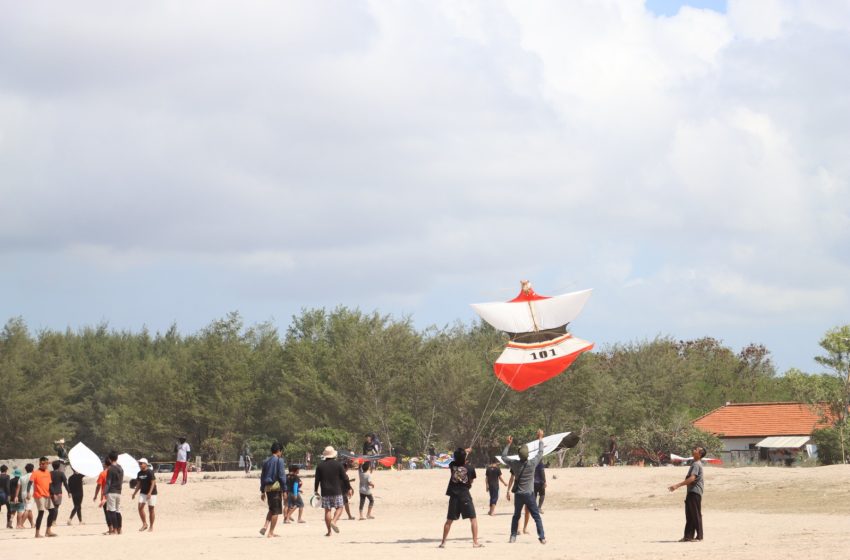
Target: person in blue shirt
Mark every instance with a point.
(273, 488)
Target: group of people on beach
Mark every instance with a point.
(332, 486)
(41, 491)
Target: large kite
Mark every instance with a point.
(540, 346)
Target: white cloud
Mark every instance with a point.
(419, 155)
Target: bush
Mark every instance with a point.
(828, 441)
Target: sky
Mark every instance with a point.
(169, 162)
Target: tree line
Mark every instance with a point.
(335, 375)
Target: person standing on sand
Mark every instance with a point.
(461, 477)
(5, 492)
(493, 476)
(40, 481)
(273, 488)
(100, 488)
(26, 496)
(693, 498)
(294, 490)
(58, 480)
(112, 496)
(75, 487)
(330, 475)
(523, 471)
(182, 451)
(146, 485)
(366, 490)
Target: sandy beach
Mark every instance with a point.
(621, 512)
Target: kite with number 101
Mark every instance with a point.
(540, 346)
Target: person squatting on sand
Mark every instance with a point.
(330, 477)
(273, 488)
(523, 471)
(294, 490)
(461, 477)
(366, 490)
(111, 495)
(693, 498)
(146, 485)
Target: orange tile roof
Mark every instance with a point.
(761, 419)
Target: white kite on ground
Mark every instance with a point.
(130, 465)
(550, 444)
(84, 461)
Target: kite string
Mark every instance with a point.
(483, 413)
(482, 422)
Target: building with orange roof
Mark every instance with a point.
(765, 431)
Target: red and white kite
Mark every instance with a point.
(540, 347)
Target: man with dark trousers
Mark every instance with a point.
(693, 499)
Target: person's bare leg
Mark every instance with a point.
(266, 524)
(474, 523)
(492, 509)
(272, 526)
(152, 516)
(328, 521)
(348, 511)
(142, 517)
(369, 511)
(301, 515)
(446, 528)
(337, 515)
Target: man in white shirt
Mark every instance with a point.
(183, 450)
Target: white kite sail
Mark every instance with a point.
(533, 314)
(130, 465)
(84, 461)
(550, 444)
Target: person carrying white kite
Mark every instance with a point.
(523, 471)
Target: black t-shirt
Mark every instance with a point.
(114, 478)
(4, 484)
(57, 481)
(329, 475)
(493, 474)
(291, 479)
(460, 479)
(146, 479)
(75, 484)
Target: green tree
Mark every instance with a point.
(836, 343)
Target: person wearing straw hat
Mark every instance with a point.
(330, 475)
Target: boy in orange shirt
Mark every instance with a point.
(100, 487)
(40, 480)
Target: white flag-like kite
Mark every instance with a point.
(84, 461)
(130, 465)
(550, 444)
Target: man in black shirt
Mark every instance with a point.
(58, 480)
(330, 475)
(493, 475)
(75, 487)
(460, 498)
(146, 485)
(114, 482)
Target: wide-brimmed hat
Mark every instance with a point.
(329, 452)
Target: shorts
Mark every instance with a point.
(19, 507)
(332, 502)
(461, 506)
(28, 504)
(539, 488)
(113, 503)
(44, 503)
(294, 501)
(149, 500)
(275, 501)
